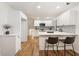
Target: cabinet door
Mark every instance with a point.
(7, 45)
(49, 23)
(59, 21)
(36, 23)
(73, 17)
(66, 18)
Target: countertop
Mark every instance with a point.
(10, 35)
(56, 33)
(45, 33)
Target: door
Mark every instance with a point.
(24, 30)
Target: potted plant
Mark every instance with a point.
(7, 27)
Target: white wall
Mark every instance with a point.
(3, 15)
(14, 19)
(11, 16)
(23, 15)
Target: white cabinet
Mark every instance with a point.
(73, 17)
(67, 18)
(36, 22)
(59, 20)
(47, 22)
(42, 42)
(9, 45)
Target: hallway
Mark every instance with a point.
(29, 48)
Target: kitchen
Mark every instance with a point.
(63, 26)
(48, 28)
(39, 29)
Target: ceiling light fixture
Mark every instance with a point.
(47, 17)
(38, 7)
(58, 7)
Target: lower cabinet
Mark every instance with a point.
(9, 45)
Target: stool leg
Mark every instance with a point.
(53, 48)
(64, 49)
(45, 49)
(73, 49)
(57, 50)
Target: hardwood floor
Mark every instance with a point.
(31, 48)
(54, 53)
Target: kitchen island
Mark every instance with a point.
(61, 35)
(55, 33)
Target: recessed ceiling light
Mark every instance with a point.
(38, 7)
(47, 17)
(58, 7)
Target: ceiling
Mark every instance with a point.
(49, 9)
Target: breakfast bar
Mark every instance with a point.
(61, 35)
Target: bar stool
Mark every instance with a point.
(70, 41)
(52, 41)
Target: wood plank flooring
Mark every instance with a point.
(61, 53)
(31, 48)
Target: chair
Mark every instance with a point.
(70, 41)
(52, 41)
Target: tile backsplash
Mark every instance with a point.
(68, 28)
(65, 28)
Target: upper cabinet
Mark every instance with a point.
(36, 22)
(46, 22)
(67, 18)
